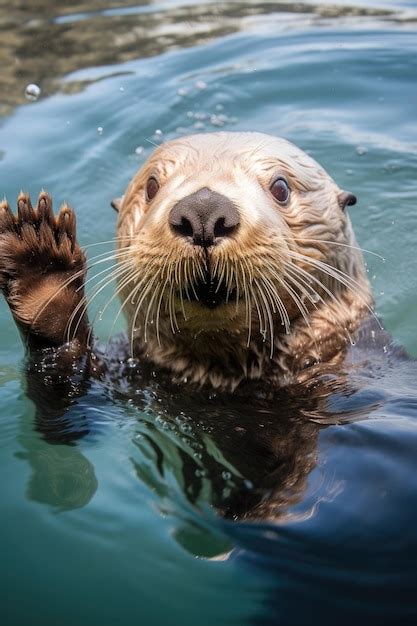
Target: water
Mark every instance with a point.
(119, 527)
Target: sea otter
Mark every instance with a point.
(238, 272)
(237, 262)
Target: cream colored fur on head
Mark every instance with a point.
(296, 275)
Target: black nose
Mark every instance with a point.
(204, 216)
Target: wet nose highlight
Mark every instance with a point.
(205, 217)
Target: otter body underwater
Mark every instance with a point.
(237, 262)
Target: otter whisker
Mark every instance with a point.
(112, 254)
(330, 270)
(132, 278)
(107, 269)
(158, 311)
(102, 243)
(221, 274)
(148, 311)
(172, 317)
(237, 290)
(86, 302)
(296, 299)
(332, 317)
(123, 282)
(267, 312)
(139, 304)
(339, 276)
(335, 243)
(168, 262)
(66, 284)
(262, 326)
(280, 305)
(248, 305)
(302, 285)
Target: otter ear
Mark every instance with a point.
(345, 198)
(117, 203)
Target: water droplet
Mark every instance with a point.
(121, 88)
(385, 350)
(199, 125)
(200, 84)
(32, 92)
(182, 91)
(315, 297)
(139, 150)
(158, 132)
(215, 120)
(361, 150)
(200, 473)
(226, 475)
(381, 293)
(185, 428)
(219, 107)
(100, 130)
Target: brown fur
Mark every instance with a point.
(211, 347)
(38, 255)
(42, 267)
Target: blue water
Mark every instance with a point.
(134, 522)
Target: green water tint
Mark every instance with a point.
(107, 530)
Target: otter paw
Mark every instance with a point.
(42, 267)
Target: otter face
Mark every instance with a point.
(232, 232)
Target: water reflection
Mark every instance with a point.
(247, 454)
(42, 44)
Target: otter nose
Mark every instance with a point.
(205, 217)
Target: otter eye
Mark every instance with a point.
(280, 190)
(152, 187)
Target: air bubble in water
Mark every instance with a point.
(100, 130)
(226, 475)
(361, 150)
(200, 84)
(32, 92)
(139, 150)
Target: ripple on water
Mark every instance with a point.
(119, 515)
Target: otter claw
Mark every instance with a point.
(44, 208)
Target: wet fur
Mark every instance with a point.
(213, 348)
(42, 274)
(39, 254)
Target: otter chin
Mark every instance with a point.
(238, 261)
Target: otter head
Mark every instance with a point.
(233, 247)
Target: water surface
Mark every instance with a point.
(134, 521)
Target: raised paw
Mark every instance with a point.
(42, 267)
